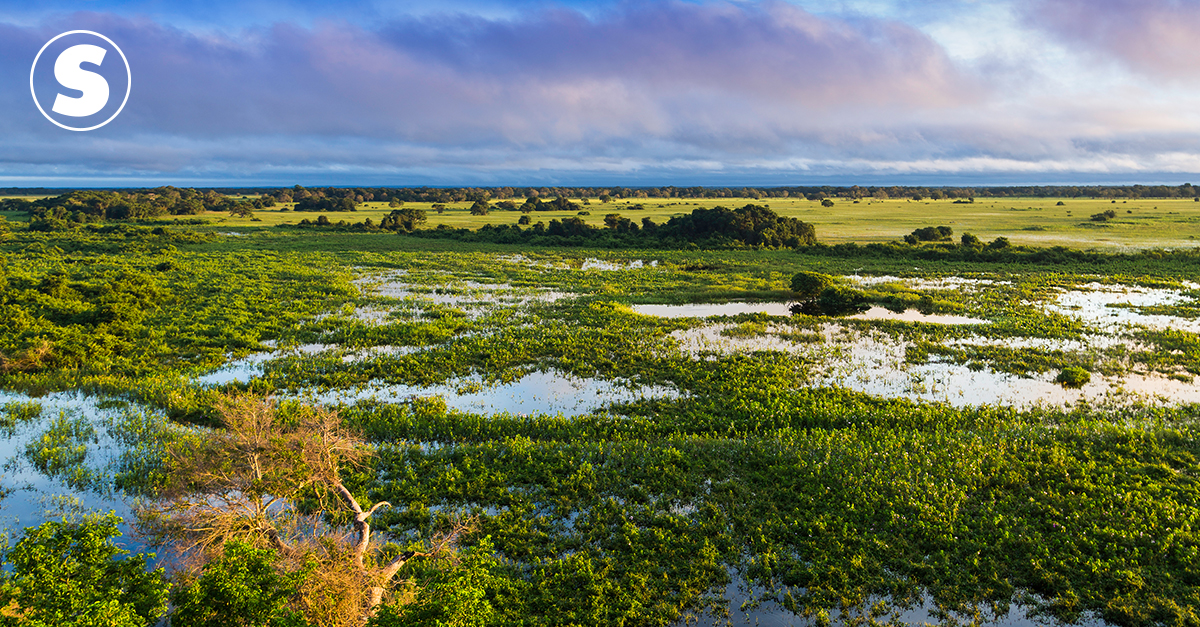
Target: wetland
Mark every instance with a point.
(655, 436)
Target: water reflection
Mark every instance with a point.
(549, 392)
(705, 310)
(33, 497)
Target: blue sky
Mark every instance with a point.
(482, 92)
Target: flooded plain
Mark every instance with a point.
(59, 456)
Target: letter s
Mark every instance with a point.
(71, 76)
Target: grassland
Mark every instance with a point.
(826, 503)
(1142, 223)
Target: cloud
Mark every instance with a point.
(1156, 37)
(674, 90)
(703, 74)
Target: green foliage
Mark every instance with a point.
(72, 575)
(403, 220)
(1073, 377)
(61, 450)
(808, 285)
(821, 498)
(15, 413)
(453, 595)
(929, 234)
(244, 588)
(103, 303)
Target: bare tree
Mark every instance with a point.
(274, 481)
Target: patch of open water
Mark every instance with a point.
(34, 497)
(744, 610)
(705, 310)
(876, 364)
(589, 263)
(1095, 304)
(473, 297)
(544, 392)
(941, 283)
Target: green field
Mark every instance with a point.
(742, 467)
(1139, 223)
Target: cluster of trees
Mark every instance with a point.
(400, 220)
(91, 205)
(929, 234)
(97, 205)
(751, 225)
(261, 530)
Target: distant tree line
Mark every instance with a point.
(162, 200)
(98, 205)
(517, 197)
(751, 225)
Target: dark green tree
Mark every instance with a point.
(70, 574)
(809, 285)
(241, 589)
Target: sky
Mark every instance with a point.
(596, 92)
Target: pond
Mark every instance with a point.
(251, 366)
(1112, 307)
(545, 392)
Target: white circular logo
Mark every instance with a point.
(80, 96)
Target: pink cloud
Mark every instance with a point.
(1157, 37)
(664, 69)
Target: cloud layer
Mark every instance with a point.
(1157, 37)
(671, 90)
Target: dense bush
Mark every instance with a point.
(71, 574)
(1073, 377)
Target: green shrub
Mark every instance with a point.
(1073, 377)
(71, 574)
(809, 285)
(242, 589)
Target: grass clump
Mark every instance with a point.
(1073, 377)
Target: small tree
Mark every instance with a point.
(247, 482)
(809, 285)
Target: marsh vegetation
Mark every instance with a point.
(644, 436)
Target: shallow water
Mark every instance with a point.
(473, 297)
(1093, 304)
(600, 264)
(875, 363)
(771, 614)
(590, 263)
(912, 315)
(943, 283)
(704, 310)
(548, 392)
(36, 498)
(251, 366)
